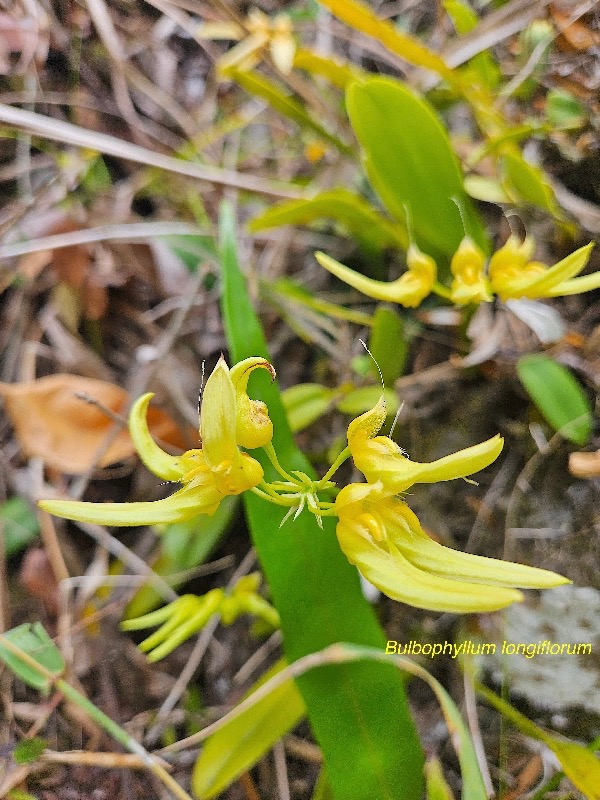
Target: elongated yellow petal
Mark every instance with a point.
(386, 568)
(253, 424)
(163, 464)
(218, 418)
(404, 530)
(381, 459)
(195, 498)
(540, 283)
(408, 290)
(585, 283)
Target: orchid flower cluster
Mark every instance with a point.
(509, 274)
(376, 529)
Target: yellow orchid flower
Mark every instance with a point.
(258, 33)
(512, 275)
(384, 539)
(470, 284)
(190, 613)
(228, 419)
(381, 459)
(409, 290)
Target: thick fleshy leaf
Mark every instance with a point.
(358, 712)
(195, 498)
(409, 161)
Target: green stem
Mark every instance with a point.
(272, 455)
(441, 290)
(272, 498)
(343, 456)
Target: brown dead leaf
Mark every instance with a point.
(574, 34)
(53, 423)
(585, 465)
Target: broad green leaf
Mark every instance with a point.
(33, 640)
(259, 86)
(18, 525)
(305, 403)
(486, 189)
(29, 750)
(183, 546)
(360, 17)
(528, 184)
(579, 764)
(558, 396)
(241, 742)
(410, 163)
(388, 343)
(370, 229)
(358, 712)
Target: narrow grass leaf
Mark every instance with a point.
(240, 743)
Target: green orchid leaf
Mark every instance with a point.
(371, 229)
(388, 344)
(33, 640)
(358, 712)
(528, 184)
(411, 165)
(18, 525)
(558, 396)
(242, 741)
(305, 403)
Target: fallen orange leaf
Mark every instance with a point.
(53, 423)
(585, 465)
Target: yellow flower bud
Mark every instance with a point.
(468, 268)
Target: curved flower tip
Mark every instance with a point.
(384, 539)
(409, 290)
(470, 284)
(381, 459)
(513, 276)
(163, 464)
(253, 424)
